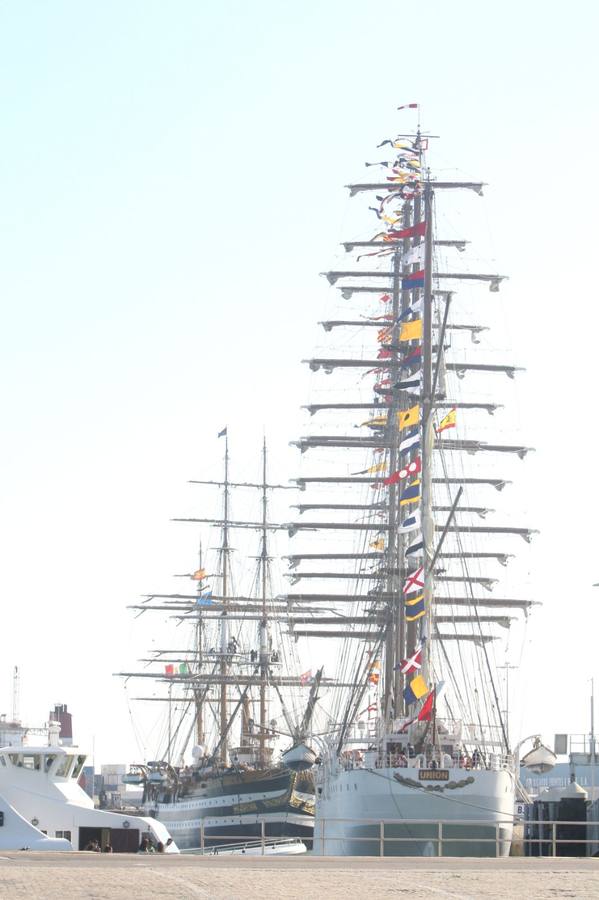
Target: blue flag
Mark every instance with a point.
(415, 609)
(416, 548)
(410, 441)
(411, 494)
(411, 523)
(414, 280)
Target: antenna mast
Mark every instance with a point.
(15, 695)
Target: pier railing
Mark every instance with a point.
(451, 837)
(418, 837)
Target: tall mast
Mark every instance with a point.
(401, 603)
(225, 549)
(199, 704)
(428, 435)
(394, 627)
(264, 643)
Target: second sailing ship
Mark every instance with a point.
(238, 690)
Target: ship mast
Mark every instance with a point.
(264, 631)
(199, 626)
(395, 624)
(403, 613)
(428, 434)
(224, 634)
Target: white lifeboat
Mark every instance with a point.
(299, 758)
(540, 759)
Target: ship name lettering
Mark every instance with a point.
(433, 774)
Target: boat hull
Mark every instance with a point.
(236, 808)
(474, 807)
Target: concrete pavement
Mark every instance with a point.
(57, 876)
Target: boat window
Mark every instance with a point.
(32, 761)
(78, 767)
(64, 834)
(14, 758)
(63, 767)
(49, 760)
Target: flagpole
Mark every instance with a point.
(592, 739)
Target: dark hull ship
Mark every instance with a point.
(211, 809)
(233, 681)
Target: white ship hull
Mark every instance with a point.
(475, 806)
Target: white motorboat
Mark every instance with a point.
(45, 808)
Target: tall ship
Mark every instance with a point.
(395, 544)
(235, 695)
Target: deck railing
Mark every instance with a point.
(492, 762)
(440, 836)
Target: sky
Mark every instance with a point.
(171, 186)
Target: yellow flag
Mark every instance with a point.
(450, 421)
(378, 467)
(199, 575)
(408, 417)
(419, 687)
(411, 331)
(378, 421)
(411, 493)
(379, 544)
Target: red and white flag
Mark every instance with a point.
(306, 677)
(412, 664)
(412, 468)
(414, 581)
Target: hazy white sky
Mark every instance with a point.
(171, 186)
